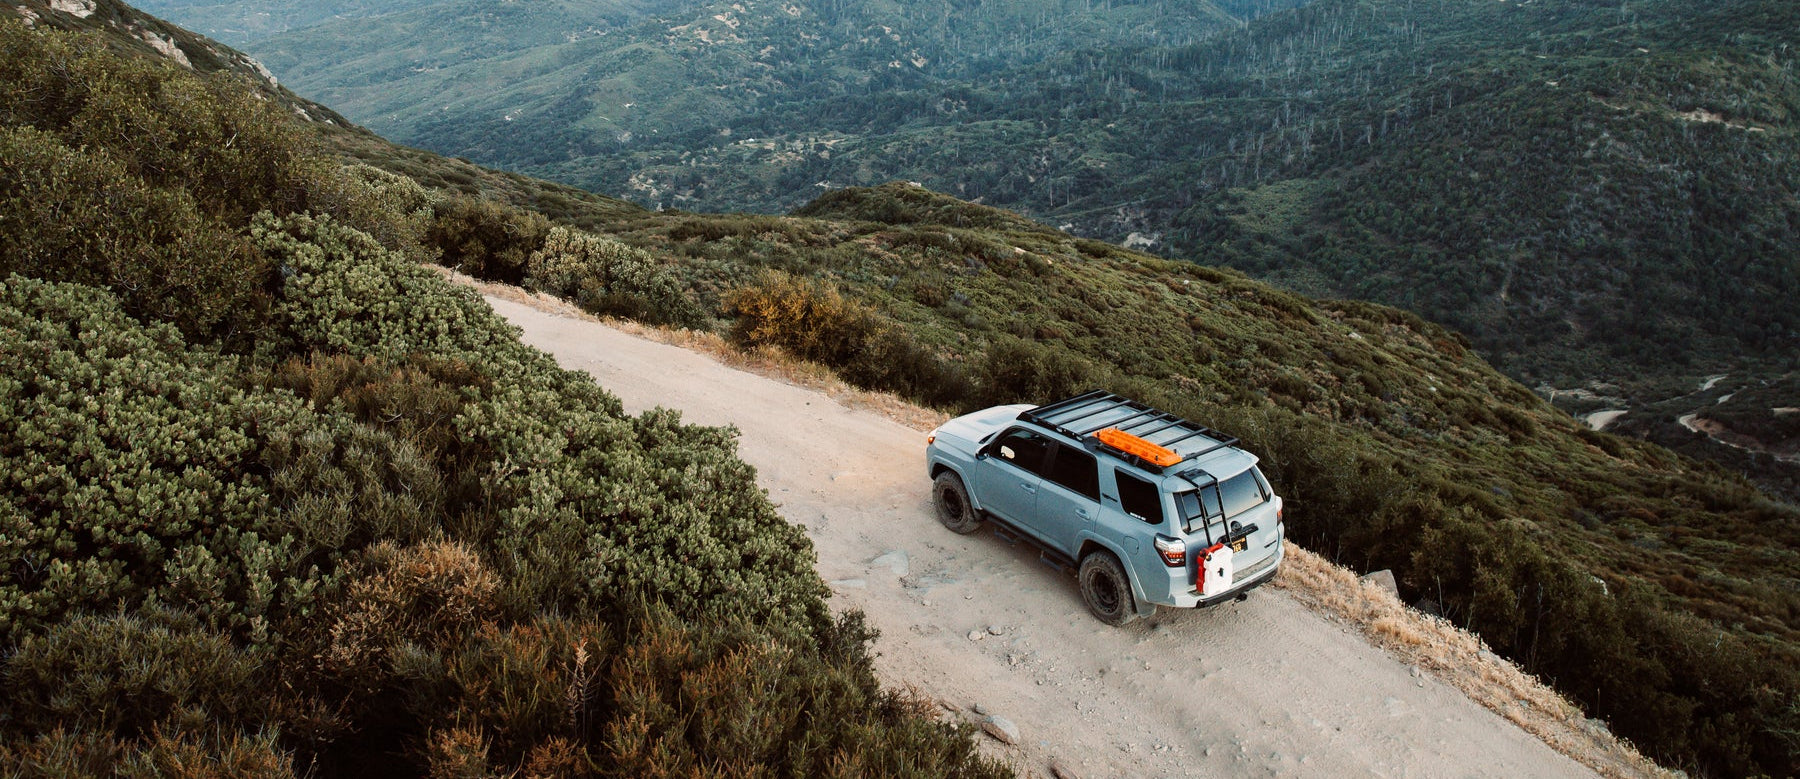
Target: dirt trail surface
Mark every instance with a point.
(1263, 687)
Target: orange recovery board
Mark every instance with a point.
(1161, 457)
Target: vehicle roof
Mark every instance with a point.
(1082, 416)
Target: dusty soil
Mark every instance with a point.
(1263, 687)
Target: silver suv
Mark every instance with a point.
(1149, 508)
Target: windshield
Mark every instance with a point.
(1224, 500)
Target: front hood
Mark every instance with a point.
(978, 425)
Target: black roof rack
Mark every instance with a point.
(1081, 416)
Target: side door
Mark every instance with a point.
(1008, 486)
(1069, 499)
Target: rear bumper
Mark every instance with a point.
(1251, 579)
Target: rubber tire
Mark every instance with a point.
(953, 507)
(1106, 589)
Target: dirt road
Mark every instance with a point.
(1264, 687)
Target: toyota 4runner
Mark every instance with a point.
(1149, 508)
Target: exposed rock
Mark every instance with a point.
(1384, 579)
(1061, 770)
(77, 8)
(995, 630)
(980, 709)
(165, 47)
(976, 635)
(1001, 729)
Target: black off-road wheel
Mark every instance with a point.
(952, 500)
(1106, 589)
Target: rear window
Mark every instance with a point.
(1233, 496)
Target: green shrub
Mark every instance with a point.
(78, 215)
(176, 755)
(234, 152)
(142, 472)
(605, 276)
(682, 698)
(1019, 371)
(484, 238)
(576, 504)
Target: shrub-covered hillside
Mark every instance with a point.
(1658, 591)
(1590, 190)
(279, 501)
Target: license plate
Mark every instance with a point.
(1240, 544)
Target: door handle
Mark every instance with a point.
(1083, 513)
(1028, 488)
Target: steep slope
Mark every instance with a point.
(1593, 193)
(1640, 583)
(276, 501)
(1657, 592)
(1267, 685)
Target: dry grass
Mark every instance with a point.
(1460, 659)
(1432, 644)
(769, 363)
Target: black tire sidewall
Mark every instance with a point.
(1103, 564)
(950, 483)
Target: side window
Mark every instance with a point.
(1024, 449)
(1077, 470)
(1139, 498)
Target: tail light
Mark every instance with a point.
(1172, 550)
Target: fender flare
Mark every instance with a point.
(1091, 542)
(938, 466)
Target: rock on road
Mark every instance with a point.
(1263, 687)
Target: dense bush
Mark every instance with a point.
(234, 151)
(342, 522)
(580, 503)
(814, 322)
(138, 471)
(484, 238)
(605, 276)
(78, 215)
(802, 317)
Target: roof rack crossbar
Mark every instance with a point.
(1168, 422)
(1078, 417)
(1120, 423)
(1227, 443)
(1063, 416)
(1191, 433)
(1045, 411)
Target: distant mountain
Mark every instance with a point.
(367, 413)
(1593, 191)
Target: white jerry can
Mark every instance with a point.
(1216, 571)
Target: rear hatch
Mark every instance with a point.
(1240, 511)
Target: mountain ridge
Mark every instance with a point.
(1569, 183)
(1643, 584)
